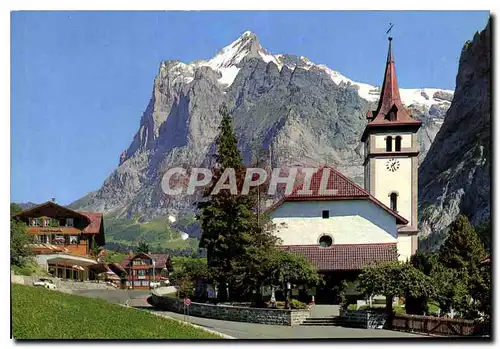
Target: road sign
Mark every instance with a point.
(187, 301)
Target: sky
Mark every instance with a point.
(80, 81)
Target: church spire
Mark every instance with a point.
(390, 110)
(390, 107)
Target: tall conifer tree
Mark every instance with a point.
(230, 227)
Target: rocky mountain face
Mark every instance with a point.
(286, 110)
(455, 176)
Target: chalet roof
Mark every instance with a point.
(63, 210)
(390, 101)
(95, 222)
(345, 189)
(162, 259)
(344, 257)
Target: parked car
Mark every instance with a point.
(47, 283)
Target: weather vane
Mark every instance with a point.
(390, 28)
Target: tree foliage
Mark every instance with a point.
(143, 247)
(190, 268)
(283, 267)
(15, 208)
(462, 250)
(484, 233)
(394, 279)
(19, 241)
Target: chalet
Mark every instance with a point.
(63, 239)
(144, 268)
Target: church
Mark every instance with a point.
(342, 232)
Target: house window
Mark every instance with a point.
(388, 143)
(58, 240)
(36, 222)
(43, 239)
(325, 241)
(137, 283)
(394, 202)
(73, 239)
(46, 222)
(398, 143)
(69, 222)
(145, 283)
(326, 214)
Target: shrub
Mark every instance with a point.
(296, 304)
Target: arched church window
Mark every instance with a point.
(398, 143)
(325, 241)
(388, 143)
(394, 201)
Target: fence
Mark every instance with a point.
(439, 325)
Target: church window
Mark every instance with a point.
(394, 201)
(326, 214)
(398, 143)
(325, 241)
(388, 143)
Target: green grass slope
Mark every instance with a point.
(38, 313)
(158, 233)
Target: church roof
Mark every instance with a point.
(338, 187)
(344, 257)
(390, 101)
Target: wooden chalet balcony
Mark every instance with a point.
(141, 266)
(144, 277)
(54, 230)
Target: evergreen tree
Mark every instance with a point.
(143, 247)
(462, 251)
(231, 229)
(463, 254)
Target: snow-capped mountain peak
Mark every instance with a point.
(227, 60)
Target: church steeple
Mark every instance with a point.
(390, 110)
(391, 157)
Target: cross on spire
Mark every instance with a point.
(389, 30)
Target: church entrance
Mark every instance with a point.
(330, 292)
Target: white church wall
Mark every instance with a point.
(398, 181)
(404, 247)
(350, 222)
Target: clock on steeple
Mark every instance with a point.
(391, 157)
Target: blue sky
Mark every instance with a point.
(80, 81)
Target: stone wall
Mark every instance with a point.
(364, 318)
(232, 313)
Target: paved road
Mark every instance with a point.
(242, 330)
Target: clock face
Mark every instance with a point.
(392, 165)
